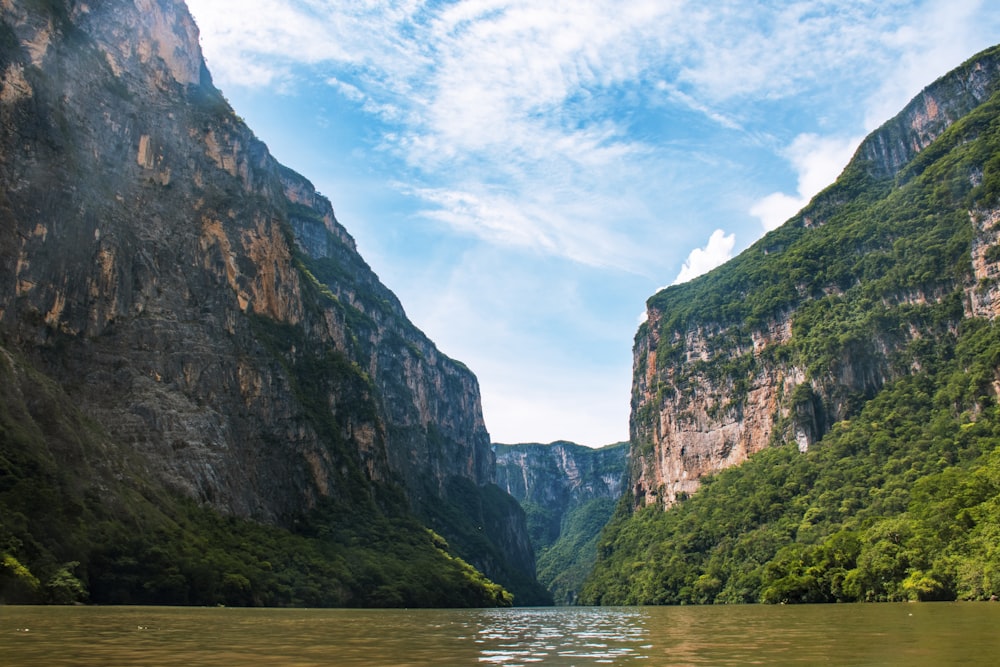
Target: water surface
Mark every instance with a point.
(884, 634)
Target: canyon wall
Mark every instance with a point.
(560, 474)
(200, 301)
(724, 366)
(569, 492)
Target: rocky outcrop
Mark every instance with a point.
(199, 300)
(724, 366)
(983, 293)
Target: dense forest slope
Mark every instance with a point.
(208, 396)
(854, 354)
(568, 492)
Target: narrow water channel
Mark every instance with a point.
(883, 634)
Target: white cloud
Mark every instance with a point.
(489, 216)
(348, 90)
(718, 250)
(555, 131)
(272, 36)
(910, 52)
(688, 101)
(818, 162)
(742, 49)
(533, 218)
(936, 41)
(514, 93)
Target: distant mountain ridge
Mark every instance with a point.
(568, 492)
(560, 473)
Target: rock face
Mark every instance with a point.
(717, 377)
(561, 474)
(928, 115)
(198, 300)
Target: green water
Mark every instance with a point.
(884, 634)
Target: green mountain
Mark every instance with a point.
(568, 492)
(818, 420)
(206, 395)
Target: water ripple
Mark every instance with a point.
(513, 637)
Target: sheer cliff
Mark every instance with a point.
(568, 493)
(201, 308)
(849, 362)
(750, 354)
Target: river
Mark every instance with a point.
(873, 634)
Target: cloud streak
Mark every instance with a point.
(716, 252)
(512, 92)
(602, 146)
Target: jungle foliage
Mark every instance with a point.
(70, 531)
(901, 502)
(469, 515)
(563, 564)
(567, 500)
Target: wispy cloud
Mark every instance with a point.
(910, 48)
(690, 102)
(594, 135)
(927, 46)
(536, 219)
(745, 50)
(515, 92)
(817, 162)
(512, 91)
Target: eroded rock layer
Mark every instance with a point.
(728, 364)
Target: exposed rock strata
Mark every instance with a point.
(561, 473)
(569, 492)
(711, 393)
(929, 114)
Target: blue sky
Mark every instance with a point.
(524, 174)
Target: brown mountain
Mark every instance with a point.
(183, 318)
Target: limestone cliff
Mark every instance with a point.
(735, 361)
(561, 474)
(198, 300)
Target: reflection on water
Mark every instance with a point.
(573, 636)
(889, 634)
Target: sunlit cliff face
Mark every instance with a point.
(708, 396)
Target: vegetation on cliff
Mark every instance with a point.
(901, 502)
(72, 531)
(898, 497)
(565, 564)
(881, 236)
